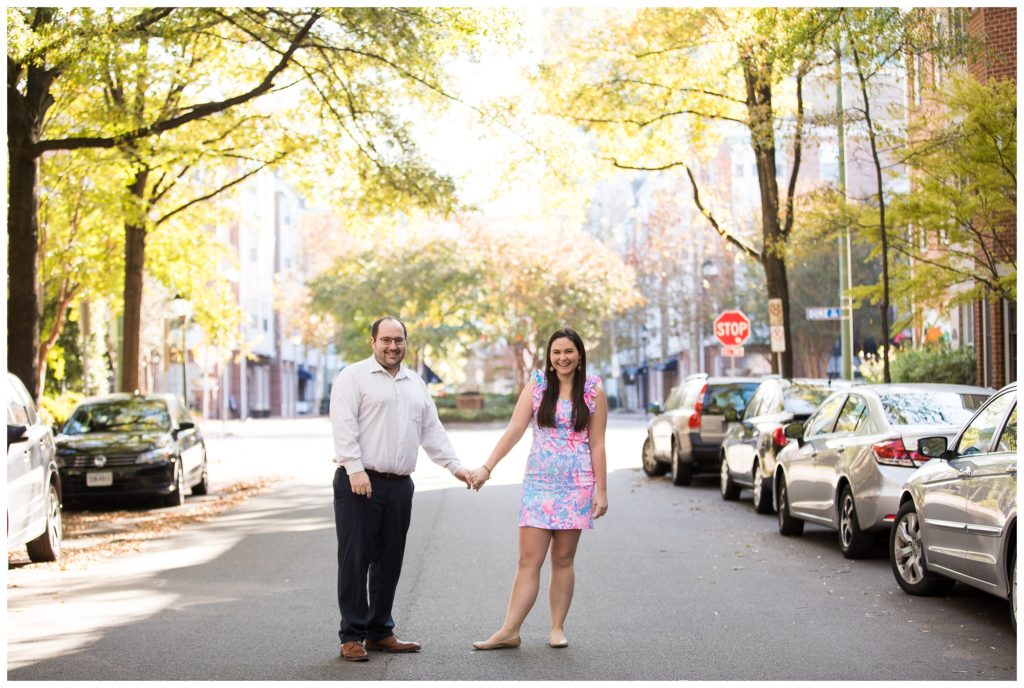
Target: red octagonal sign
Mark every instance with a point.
(732, 328)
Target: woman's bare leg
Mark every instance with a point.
(533, 548)
(563, 579)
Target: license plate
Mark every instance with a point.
(99, 479)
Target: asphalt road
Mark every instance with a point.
(673, 584)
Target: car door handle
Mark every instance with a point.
(966, 473)
(1012, 469)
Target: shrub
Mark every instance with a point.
(934, 363)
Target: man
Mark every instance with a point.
(381, 413)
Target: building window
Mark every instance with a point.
(967, 324)
(1010, 348)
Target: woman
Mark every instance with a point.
(565, 484)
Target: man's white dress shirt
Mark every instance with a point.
(380, 421)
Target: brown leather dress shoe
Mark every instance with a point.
(392, 644)
(353, 651)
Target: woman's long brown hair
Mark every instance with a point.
(548, 403)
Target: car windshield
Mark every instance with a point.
(119, 416)
(930, 408)
(732, 395)
(801, 400)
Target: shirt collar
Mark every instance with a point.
(376, 367)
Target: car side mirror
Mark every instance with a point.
(654, 408)
(795, 431)
(186, 425)
(15, 433)
(933, 447)
(731, 415)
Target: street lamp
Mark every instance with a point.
(183, 308)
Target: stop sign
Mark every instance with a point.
(732, 328)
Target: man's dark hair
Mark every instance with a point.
(378, 321)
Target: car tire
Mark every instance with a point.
(730, 490)
(906, 555)
(47, 546)
(682, 473)
(652, 467)
(762, 497)
(1013, 592)
(177, 497)
(788, 524)
(853, 542)
(202, 487)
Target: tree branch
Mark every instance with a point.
(195, 112)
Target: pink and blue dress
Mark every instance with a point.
(558, 486)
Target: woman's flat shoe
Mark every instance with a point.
(563, 642)
(498, 644)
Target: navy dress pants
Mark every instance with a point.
(371, 545)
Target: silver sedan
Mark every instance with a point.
(853, 455)
(957, 519)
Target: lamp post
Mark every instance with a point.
(183, 308)
(708, 273)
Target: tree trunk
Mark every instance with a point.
(25, 114)
(762, 137)
(23, 299)
(886, 378)
(134, 263)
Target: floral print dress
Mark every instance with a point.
(558, 486)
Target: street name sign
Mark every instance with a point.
(835, 313)
(732, 328)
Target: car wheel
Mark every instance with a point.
(854, 542)
(788, 524)
(652, 467)
(682, 473)
(730, 490)
(201, 487)
(762, 497)
(177, 497)
(906, 554)
(46, 547)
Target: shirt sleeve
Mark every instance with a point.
(345, 423)
(434, 439)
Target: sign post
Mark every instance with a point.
(732, 328)
(777, 329)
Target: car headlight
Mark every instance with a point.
(158, 455)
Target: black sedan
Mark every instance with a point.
(131, 444)
(748, 451)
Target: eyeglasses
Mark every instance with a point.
(388, 341)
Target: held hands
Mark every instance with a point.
(464, 475)
(600, 505)
(478, 476)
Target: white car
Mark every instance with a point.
(854, 453)
(33, 482)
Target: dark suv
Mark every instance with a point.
(685, 437)
(131, 444)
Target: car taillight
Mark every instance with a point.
(893, 453)
(779, 438)
(698, 408)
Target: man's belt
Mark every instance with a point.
(385, 476)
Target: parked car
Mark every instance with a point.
(749, 448)
(854, 453)
(33, 481)
(957, 519)
(132, 444)
(685, 437)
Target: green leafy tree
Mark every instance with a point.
(645, 81)
(428, 282)
(353, 70)
(955, 228)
